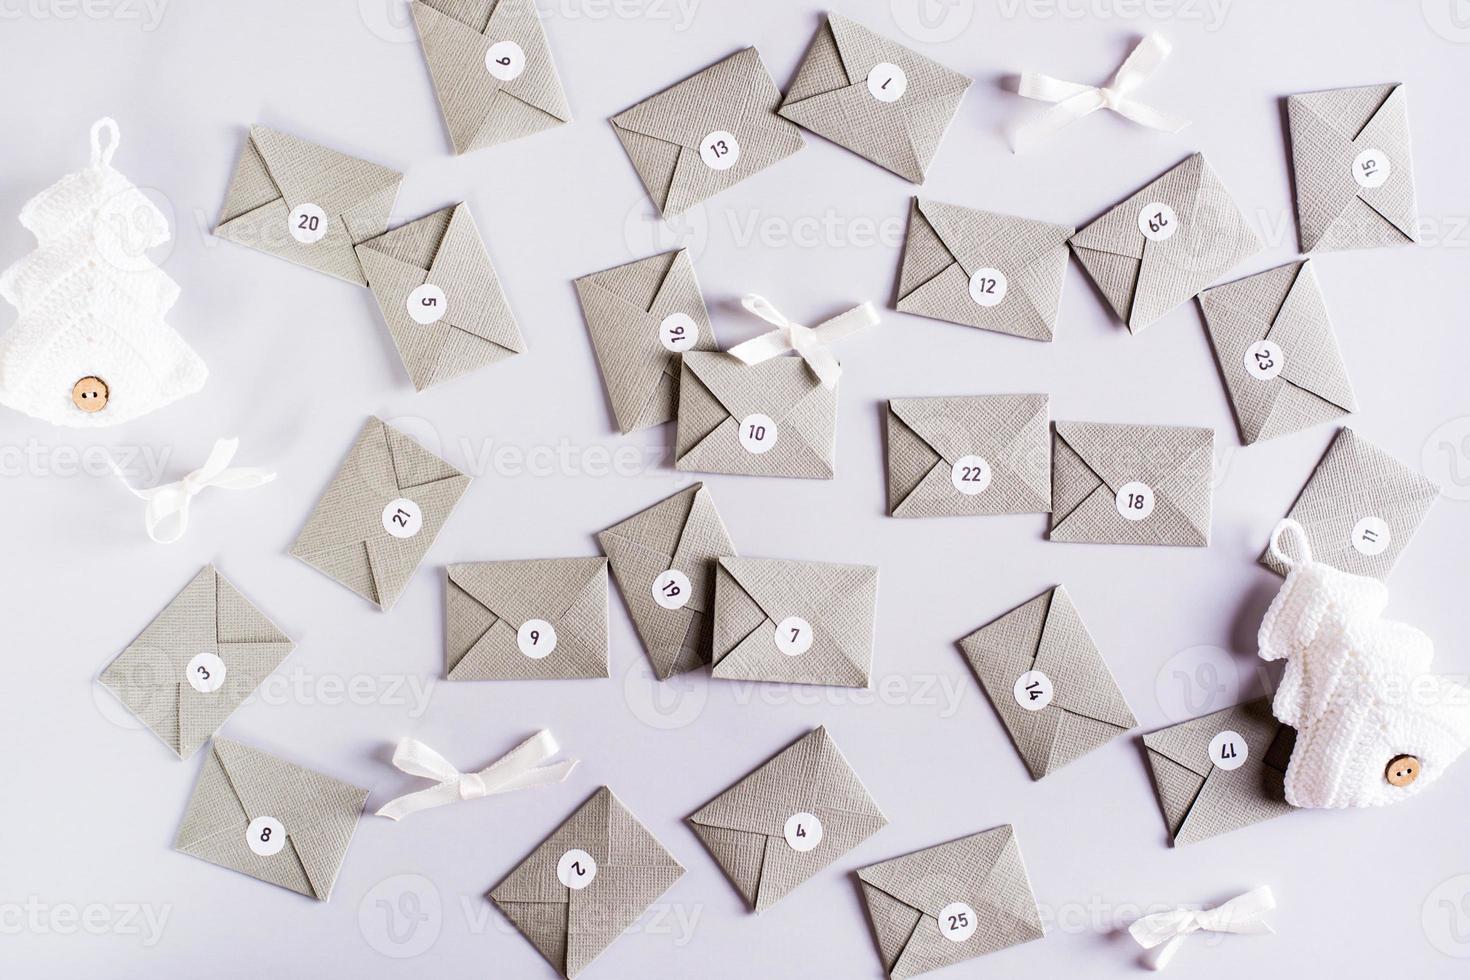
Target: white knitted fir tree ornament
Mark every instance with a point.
(90, 347)
(1373, 725)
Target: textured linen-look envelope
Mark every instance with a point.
(1276, 350)
(270, 819)
(987, 454)
(1221, 772)
(707, 133)
(1354, 172)
(586, 883)
(788, 820)
(305, 203)
(1048, 682)
(664, 561)
(380, 514)
(1132, 484)
(774, 418)
(492, 70)
(983, 270)
(950, 903)
(641, 317)
(1360, 508)
(1165, 243)
(877, 98)
(440, 296)
(196, 662)
(797, 622)
(512, 620)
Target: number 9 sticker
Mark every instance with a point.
(536, 638)
(505, 60)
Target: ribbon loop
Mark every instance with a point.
(167, 514)
(1242, 915)
(518, 769)
(1073, 100)
(812, 344)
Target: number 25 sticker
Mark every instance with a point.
(307, 223)
(957, 922)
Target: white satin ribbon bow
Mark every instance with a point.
(1241, 915)
(520, 768)
(167, 516)
(812, 343)
(1075, 101)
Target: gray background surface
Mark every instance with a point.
(298, 360)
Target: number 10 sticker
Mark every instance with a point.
(758, 433)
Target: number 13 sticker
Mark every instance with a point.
(719, 150)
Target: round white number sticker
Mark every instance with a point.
(672, 590)
(758, 433)
(1033, 690)
(1264, 360)
(402, 518)
(803, 831)
(887, 82)
(265, 836)
(307, 223)
(576, 869)
(1228, 750)
(988, 286)
(719, 150)
(678, 332)
(793, 636)
(970, 475)
(1371, 168)
(536, 638)
(1372, 536)
(957, 922)
(427, 304)
(205, 673)
(505, 60)
(1135, 501)
(1158, 222)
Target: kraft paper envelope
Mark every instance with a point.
(380, 514)
(750, 827)
(279, 174)
(982, 269)
(1277, 352)
(1354, 170)
(950, 903)
(1160, 475)
(1142, 278)
(1360, 508)
(513, 620)
(492, 70)
(270, 819)
(1048, 682)
(797, 622)
(628, 869)
(986, 454)
(720, 398)
(641, 317)
(847, 90)
(664, 561)
(440, 297)
(204, 654)
(1201, 798)
(707, 133)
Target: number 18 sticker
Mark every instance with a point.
(1135, 501)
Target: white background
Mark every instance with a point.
(298, 361)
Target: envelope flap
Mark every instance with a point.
(963, 870)
(1346, 110)
(835, 599)
(986, 425)
(773, 388)
(307, 173)
(462, 268)
(983, 239)
(1117, 230)
(1355, 479)
(680, 114)
(535, 878)
(537, 588)
(1154, 454)
(1067, 654)
(1006, 647)
(1188, 743)
(639, 283)
(237, 621)
(809, 776)
(861, 50)
(416, 243)
(1303, 330)
(659, 528)
(186, 626)
(413, 465)
(538, 85)
(1388, 131)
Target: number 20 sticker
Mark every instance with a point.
(307, 223)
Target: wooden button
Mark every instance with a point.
(90, 394)
(1402, 771)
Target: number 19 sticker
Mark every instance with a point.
(671, 589)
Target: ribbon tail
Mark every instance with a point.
(424, 799)
(1056, 118)
(167, 517)
(762, 348)
(1158, 958)
(1147, 115)
(1034, 85)
(531, 778)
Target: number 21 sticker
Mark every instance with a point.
(402, 518)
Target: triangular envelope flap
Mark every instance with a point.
(537, 85)
(772, 388)
(186, 626)
(415, 243)
(1007, 646)
(394, 560)
(413, 465)
(680, 114)
(517, 591)
(1081, 678)
(986, 425)
(1231, 799)
(476, 302)
(238, 621)
(1246, 309)
(1345, 110)
(1188, 743)
(1155, 454)
(1388, 131)
(1117, 230)
(535, 879)
(474, 14)
(936, 876)
(306, 172)
(835, 599)
(659, 528)
(861, 50)
(821, 70)
(246, 666)
(637, 283)
(1303, 329)
(703, 536)
(1356, 473)
(739, 853)
(339, 518)
(980, 239)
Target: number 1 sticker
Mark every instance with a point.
(887, 82)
